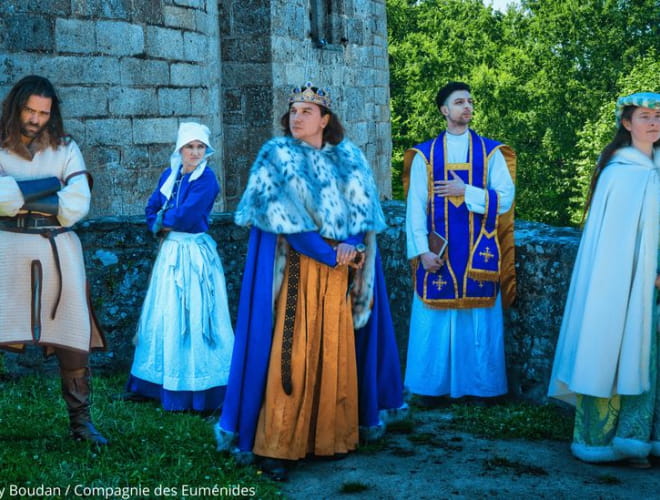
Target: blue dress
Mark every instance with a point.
(184, 339)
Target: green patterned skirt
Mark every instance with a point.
(621, 427)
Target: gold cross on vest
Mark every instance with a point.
(439, 283)
(486, 254)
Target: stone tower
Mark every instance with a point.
(129, 71)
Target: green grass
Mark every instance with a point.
(514, 420)
(150, 448)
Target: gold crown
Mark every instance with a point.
(307, 94)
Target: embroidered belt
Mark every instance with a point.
(42, 225)
(28, 221)
(289, 319)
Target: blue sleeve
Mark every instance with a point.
(155, 201)
(196, 205)
(311, 243)
(356, 239)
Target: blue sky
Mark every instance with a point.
(500, 4)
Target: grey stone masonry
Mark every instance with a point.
(269, 47)
(126, 72)
(119, 253)
(129, 71)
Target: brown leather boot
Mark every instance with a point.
(76, 391)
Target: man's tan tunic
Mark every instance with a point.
(73, 325)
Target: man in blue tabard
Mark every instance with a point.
(459, 186)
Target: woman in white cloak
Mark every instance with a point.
(606, 361)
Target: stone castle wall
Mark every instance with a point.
(129, 71)
(120, 252)
(271, 46)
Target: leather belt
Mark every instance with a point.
(28, 221)
(289, 319)
(43, 226)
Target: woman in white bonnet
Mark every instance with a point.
(184, 340)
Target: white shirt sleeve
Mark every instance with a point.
(500, 180)
(11, 198)
(75, 196)
(416, 227)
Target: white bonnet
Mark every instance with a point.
(188, 132)
(191, 131)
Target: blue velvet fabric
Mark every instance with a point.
(463, 229)
(208, 400)
(379, 374)
(379, 370)
(192, 206)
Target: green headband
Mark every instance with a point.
(640, 100)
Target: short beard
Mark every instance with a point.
(460, 122)
(31, 134)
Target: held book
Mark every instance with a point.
(437, 243)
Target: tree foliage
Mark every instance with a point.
(544, 75)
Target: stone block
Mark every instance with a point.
(26, 32)
(102, 159)
(119, 38)
(154, 130)
(164, 43)
(129, 101)
(73, 35)
(81, 102)
(179, 17)
(247, 73)
(138, 72)
(174, 101)
(108, 131)
(135, 157)
(80, 70)
(109, 9)
(206, 21)
(186, 75)
(258, 105)
(76, 129)
(148, 12)
(203, 101)
(232, 101)
(195, 47)
(251, 50)
(354, 31)
(250, 17)
(13, 67)
(52, 7)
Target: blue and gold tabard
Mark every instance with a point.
(471, 274)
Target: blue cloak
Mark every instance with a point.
(379, 373)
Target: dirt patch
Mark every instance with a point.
(434, 462)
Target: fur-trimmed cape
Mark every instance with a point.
(296, 188)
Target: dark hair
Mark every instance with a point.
(622, 138)
(333, 133)
(12, 106)
(447, 90)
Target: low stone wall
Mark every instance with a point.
(120, 252)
